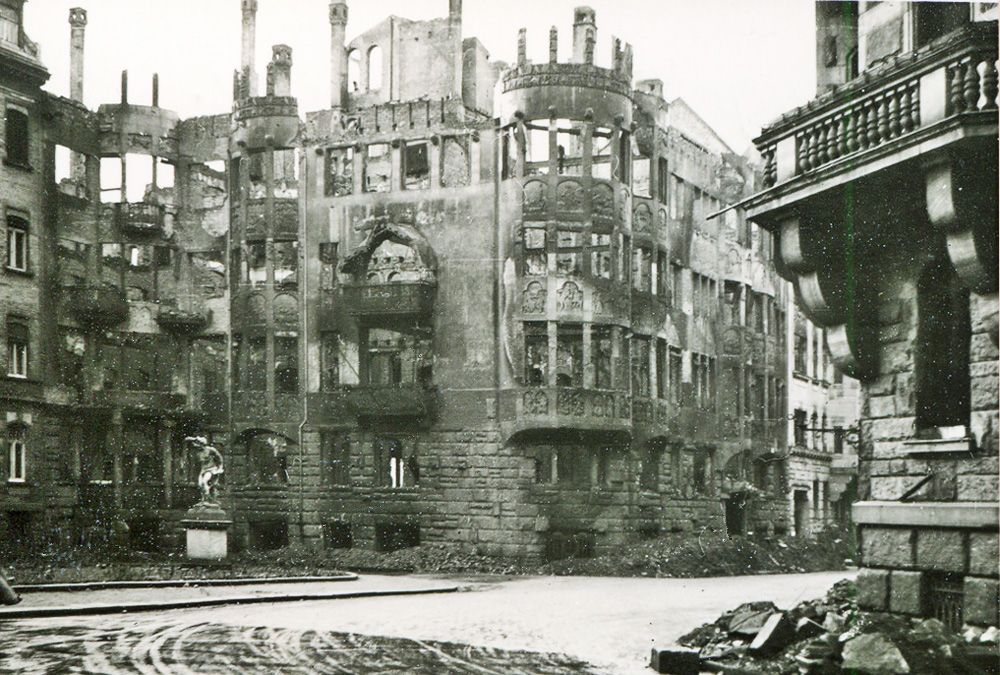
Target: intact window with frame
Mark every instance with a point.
(600, 255)
(601, 351)
(17, 244)
(17, 136)
(536, 354)
(17, 458)
(569, 147)
(17, 349)
(339, 171)
(416, 166)
(336, 453)
(640, 366)
(536, 257)
(601, 153)
(569, 252)
(569, 355)
(378, 168)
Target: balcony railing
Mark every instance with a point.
(384, 304)
(140, 217)
(388, 401)
(538, 408)
(98, 305)
(954, 75)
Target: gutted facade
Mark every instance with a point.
(468, 303)
(882, 196)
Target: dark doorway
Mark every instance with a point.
(736, 515)
(268, 535)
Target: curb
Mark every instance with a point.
(175, 583)
(124, 608)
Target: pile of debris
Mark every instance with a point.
(829, 635)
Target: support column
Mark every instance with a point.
(249, 45)
(166, 443)
(78, 23)
(338, 58)
(116, 438)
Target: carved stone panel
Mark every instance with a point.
(533, 298)
(570, 298)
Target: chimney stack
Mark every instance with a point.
(584, 31)
(455, 26)
(279, 71)
(249, 45)
(78, 25)
(338, 58)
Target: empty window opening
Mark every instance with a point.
(601, 350)
(569, 355)
(17, 457)
(257, 263)
(354, 70)
(536, 354)
(111, 180)
(375, 68)
(339, 172)
(397, 465)
(395, 358)
(640, 171)
(395, 535)
(649, 472)
(621, 170)
(17, 137)
(378, 167)
(675, 372)
(573, 466)
(936, 19)
(662, 180)
(336, 457)
(640, 366)
(455, 162)
(600, 255)
(601, 154)
(416, 166)
(268, 535)
(268, 455)
(569, 147)
(537, 150)
(642, 269)
(662, 368)
(330, 348)
(10, 31)
(337, 534)
(536, 256)
(569, 258)
(286, 263)
(63, 163)
(286, 364)
(509, 153)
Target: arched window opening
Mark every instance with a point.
(375, 68)
(354, 70)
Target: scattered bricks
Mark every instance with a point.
(983, 553)
(834, 623)
(906, 592)
(675, 660)
(886, 547)
(776, 634)
(941, 550)
(981, 604)
(873, 591)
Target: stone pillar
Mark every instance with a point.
(166, 443)
(249, 44)
(116, 438)
(78, 23)
(455, 27)
(338, 58)
(584, 31)
(279, 71)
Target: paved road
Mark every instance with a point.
(499, 626)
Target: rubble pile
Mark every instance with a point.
(828, 635)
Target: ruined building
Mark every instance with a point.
(466, 303)
(882, 196)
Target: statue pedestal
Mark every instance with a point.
(207, 528)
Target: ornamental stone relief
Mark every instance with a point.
(641, 218)
(570, 196)
(534, 196)
(602, 202)
(533, 298)
(570, 298)
(570, 403)
(535, 402)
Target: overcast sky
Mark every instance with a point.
(738, 63)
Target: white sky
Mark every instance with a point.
(738, 63)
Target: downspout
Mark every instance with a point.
(303, 352)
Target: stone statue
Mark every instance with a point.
(211, 468)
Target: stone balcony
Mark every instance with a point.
(388, 304)
(532, 409)
(185, 320)
(413, 401)
(139, 218)
(267, 121)
(98, 305)
(889, 113)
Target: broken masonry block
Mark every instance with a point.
(675, 660)
(776, 634)
(807, 628)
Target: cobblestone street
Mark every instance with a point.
(497, 625)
